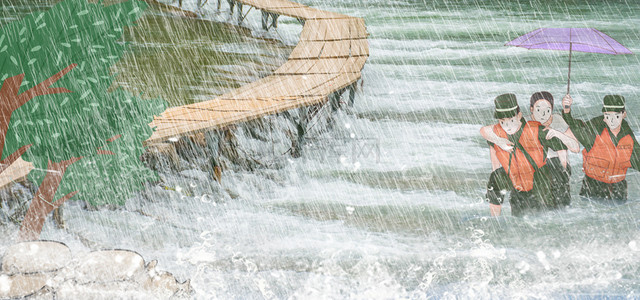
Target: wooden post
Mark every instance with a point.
(239, 9)
(213, 141)
(265, 20)
(334, 100)
(58, 218)
(352, 93)
(188, 150)
(231, 5)
(301, 128)
(162, 156)
(245, 15)
(229, 146)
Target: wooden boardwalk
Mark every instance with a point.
(16, 172)
(332, 51)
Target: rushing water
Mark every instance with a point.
(349, 221)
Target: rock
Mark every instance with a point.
(34, 257)
(107, 291)
(109, 265)
(163, 284)
(46, 270)
(21, 285)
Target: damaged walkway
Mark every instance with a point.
(331, 53)
(327, 61)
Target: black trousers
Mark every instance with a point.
(536, 199)
(598, 190)
(560, 188)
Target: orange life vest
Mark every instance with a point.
(606, 162)
(520, 170)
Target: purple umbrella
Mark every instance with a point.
(570, 39)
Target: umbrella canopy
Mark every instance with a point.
(570, 39)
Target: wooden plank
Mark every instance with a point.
(187, 114)
(231, 118)
(337, 29)
(335, 49)
(307, 49)
(170, 121)
(354, 64)
(179, 112)
(254, 93)
(299, 85)
(295, 66)
(360, 47)
(232, 106)
(271, 4)
(357, 28)
(313, 30)
(229, 109)
(290, 86)
(16, 172)
(328, 66)
(336, 83)
(306, 13)
(250, 86)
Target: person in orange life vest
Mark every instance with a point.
(610, 148)
(523, 171)
(541, 107)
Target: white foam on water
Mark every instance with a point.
(410, 222)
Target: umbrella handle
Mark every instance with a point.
(569, 75)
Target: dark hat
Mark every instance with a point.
(613, 103)
(506, 106)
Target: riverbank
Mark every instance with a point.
(400, 224)
(187, 171)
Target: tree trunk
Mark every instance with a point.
(58, 218)
(43, 202)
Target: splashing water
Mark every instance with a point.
(388, 202)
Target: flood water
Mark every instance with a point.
(389, 202)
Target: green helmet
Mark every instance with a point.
(506, 106)
(613, 103)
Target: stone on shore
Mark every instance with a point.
(46, 269)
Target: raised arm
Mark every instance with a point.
(487, 133)
(572, 144)
(584, 133)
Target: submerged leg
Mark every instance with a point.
(560, 188)
(498, 186)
